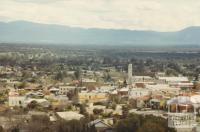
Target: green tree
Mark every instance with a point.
(151, 127)
(77, 73)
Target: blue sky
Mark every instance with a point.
(159, 15)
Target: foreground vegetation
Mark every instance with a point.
(133, 123)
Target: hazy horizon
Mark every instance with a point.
(29, 32)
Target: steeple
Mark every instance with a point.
(130, 68)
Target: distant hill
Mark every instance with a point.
(28, 32)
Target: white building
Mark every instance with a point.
(138, 92)
(87, 80)
(70, 115)
(171, 80)
(163, 89)
(65, 89)
(16, 100)
(182, 112)
(42, 102)
(142, 79)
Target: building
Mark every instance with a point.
(69, 115)
(41, 102)
(66, 89)
(16, 101)
(160, 74)
(182, 112)
(92, 97)
(88, 82)
(138, 92)
(142, 79)
(183, 85)
(172, 80)
(163, 89)
(101, 126)
(123, 91)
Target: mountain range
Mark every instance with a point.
(29, 32)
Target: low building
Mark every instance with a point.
(92, 97)
(65, 89)
(42, 102)
(142, 79)
(138, 92)
(16, 101)
(182, 112)
(163, 89)
(172, 80)
(69, 115)
(183, 85)
(123, 91)
(88, 82)
(101, 126)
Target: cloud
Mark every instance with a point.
(161, 15)
(38, 1)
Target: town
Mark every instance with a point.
(88, 90)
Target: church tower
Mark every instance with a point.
(130, 70)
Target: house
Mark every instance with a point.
(54, 91)
(171, 80)
(15, 99)
(106, 88)
(123, 91)
(163, 89)
(93, 107)
(183, 85)
(42, 102)
(92, 97)
(160, 74)
(88, 82)
(35, 95)
(138, 92)
(101, 126)
(142, 79)
(65, 89)
(69, 115)
(58, 101)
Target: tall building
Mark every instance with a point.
(130, 74)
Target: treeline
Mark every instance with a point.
(144, 63)
(43, 124)
(140, 123)
(132, 123)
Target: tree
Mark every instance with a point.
(140, 123)
(151, 127)
(82, 109)
(124, 83)
(22, 85)
(77, 73)
(32, 105)
(59, 76)
(74, 126)
(39, 123)
(1, 129)
(125, 111)
(97, 111)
